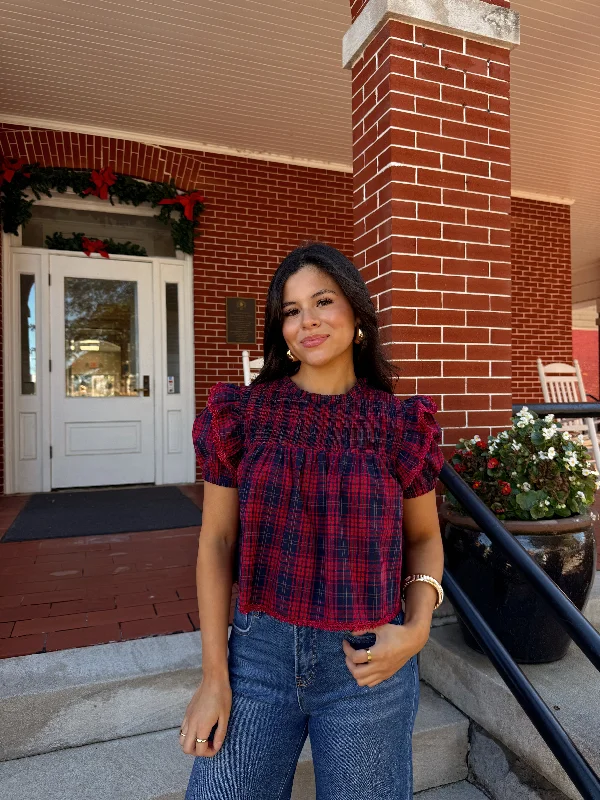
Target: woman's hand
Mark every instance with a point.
(394, 646)
(210, 706)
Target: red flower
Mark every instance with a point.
(482, 445)
(8, 168)
(458, 468)
(102, 178)
(493, 463)
(187, 201)
(94, 246)
(476, 484)
(506, 489)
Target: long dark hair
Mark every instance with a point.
(369, 361)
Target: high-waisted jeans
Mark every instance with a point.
(289, 681)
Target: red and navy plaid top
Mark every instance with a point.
(321, 480)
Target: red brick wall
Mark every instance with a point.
(256, 212)
(432, 216)
(541, 286)
(585, 350)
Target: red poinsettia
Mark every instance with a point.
(187, 201)
(9, 166)
(492, 463)
(94, 246)
(102, 179)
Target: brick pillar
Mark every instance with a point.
(432, 199)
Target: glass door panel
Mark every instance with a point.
(101, 338)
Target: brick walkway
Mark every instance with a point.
(72, 592)
(62, 593)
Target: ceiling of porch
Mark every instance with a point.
(264, 78)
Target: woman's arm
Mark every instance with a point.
(211, 702)
(423, 553)
(214, 573)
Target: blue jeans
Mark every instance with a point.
(289, 681)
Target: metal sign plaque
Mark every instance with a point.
(241, 320)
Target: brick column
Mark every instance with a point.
(432, 197)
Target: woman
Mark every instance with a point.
(330, 478)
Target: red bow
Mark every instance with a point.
(103, 178)
(94, 246)
(8, 168)
(187, 201)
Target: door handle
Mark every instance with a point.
(145, 387)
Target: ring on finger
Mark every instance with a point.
(369, 655)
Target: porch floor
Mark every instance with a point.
(61, 593)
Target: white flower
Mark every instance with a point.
(581, 494)
(566, 436)
(516, 446)
(548, 433)
(534, 458)
(522, 424)
(548, 417)
(561, 505)
(572, 461)
(585, 471)
(547, 502)
(541, 455)
(581, 438)
(526, 487)
(504, 434)
(551, 452)
(524, 410)
(513, 474)
(477, 438)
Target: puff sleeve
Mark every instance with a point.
(218, 435)
(418, 458)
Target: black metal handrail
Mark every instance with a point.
(567, 410)
(549, 728)
(576, 625)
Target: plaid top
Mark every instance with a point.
(321, 479)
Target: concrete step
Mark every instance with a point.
(462, 790)
(152, 766)
(570, 687)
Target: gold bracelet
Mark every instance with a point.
(427, 579)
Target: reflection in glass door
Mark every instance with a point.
(101, 338)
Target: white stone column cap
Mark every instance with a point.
(473, 19)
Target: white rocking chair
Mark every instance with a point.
(562, 383)
(251, 368)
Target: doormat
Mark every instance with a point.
(92, 513)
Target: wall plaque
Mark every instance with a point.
(241, 320)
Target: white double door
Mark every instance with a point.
(101, 372)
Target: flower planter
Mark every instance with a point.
(564, 548)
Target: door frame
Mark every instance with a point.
(171, 466)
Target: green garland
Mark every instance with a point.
(16, 176)
(75, 244)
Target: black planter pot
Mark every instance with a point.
(564, 548)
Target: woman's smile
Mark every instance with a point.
(313, 341)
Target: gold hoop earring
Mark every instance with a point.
(290, 355)
(361, 336)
